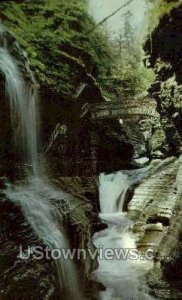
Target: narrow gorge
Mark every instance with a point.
(90, 150)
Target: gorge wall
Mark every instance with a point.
(69, 66)
(164, 51)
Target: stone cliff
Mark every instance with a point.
(164, 54)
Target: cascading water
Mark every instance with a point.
(116, 187)
(35, 199)
(35, 194)
(122, 270)
(22, 98)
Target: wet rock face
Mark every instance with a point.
(164, 50)
(157, 210)
(114, 147)
(90, 147)
(152, 198)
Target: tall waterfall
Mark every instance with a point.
(22, 98)
(122, 275)
(35, 194)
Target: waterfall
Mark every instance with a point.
(122, 273)
(112, 192)
(22, 98)
(35, 195)
(114, 187)
(35, 199)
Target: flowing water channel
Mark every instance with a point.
(121, 268)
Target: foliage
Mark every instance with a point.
(129, 75)
(52, 31)
(158, 10)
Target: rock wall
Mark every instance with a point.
(164, 51)
(156, 210)
(160, 197)
(144, 128)
(87, 145)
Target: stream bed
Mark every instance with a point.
(121, 268)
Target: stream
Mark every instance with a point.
(121, 268)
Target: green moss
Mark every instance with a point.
(157, 11)
(49, 29)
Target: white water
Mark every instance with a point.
(113, 188)
(116, 186)
(36, 199)
(123, 278)
(35, 195)
(22, 99)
